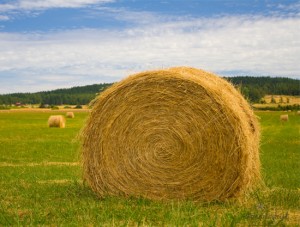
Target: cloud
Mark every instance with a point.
(9, 10)
(3, 17)
(252, 45)
(293, 6)
(46, 4)
(128, 16)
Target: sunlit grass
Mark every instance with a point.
(37, 189)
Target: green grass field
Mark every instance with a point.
(40, 181)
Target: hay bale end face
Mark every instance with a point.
(57, 121)
(179, 133)
(284, 117)
(70, 115)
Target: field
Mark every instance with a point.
(40, 181)
(279, 100)
(283, 99)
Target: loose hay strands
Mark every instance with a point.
(70, 115)
(56, 121)
(180, 133)
(284, 117)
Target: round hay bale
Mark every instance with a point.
(284, 117)
(57, 121)
(298, 112)
(70, 115)
(179, 133)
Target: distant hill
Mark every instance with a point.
(253, 88)
(80, 95)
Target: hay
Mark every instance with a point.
(298, 112)
(56, 121)
(180, 133)
(70, 115)
(284, 117)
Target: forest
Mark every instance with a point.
(253, 88)
(80, 95)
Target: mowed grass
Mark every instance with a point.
(40, 181)
(280, 149)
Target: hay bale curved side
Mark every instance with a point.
(232, 97)
(57, 121)
(70, 115)
(171, 134)
(284, 117)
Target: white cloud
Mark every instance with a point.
(294, 6)
(45, 4)
(253, 45)
(128, 16)
(3, 17)
(26, 6)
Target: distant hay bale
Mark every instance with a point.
(179, 133)
(70, 115)
(56, 121)
(284, 117)
(298, 112)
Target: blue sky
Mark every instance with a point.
(49, 44)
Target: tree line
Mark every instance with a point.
(253, 88)
(80, 95)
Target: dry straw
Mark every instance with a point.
(284, 117)
(298, 112)
(56, 121)
(179, 133)
(70, 115)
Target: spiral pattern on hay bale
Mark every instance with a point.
(57, 121)
(179, 133)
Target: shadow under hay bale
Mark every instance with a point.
(57, 121)
(179, 133)
(70, 115)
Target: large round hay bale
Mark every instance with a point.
(298, 112)
(57, 121)
(70, 115)
(179, 133)
(284, 117)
